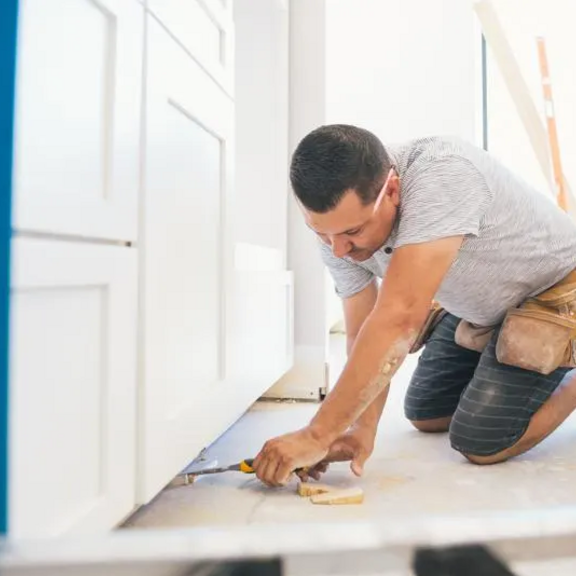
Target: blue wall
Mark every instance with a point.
(8, 33)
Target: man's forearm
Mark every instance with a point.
(371, 416)
(378, 352)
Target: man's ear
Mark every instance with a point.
(393, 191)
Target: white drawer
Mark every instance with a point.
(205, 29)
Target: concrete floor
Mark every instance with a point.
(409, 474)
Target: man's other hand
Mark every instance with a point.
(281, 456)
(355, 446)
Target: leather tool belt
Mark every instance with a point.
(538, 335)
(434, 316)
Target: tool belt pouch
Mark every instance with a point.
(473, 337)
(434, 316)
(540, 335)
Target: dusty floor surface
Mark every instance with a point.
(409, 473)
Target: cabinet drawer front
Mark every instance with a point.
(205, 29)
(187, 257)
(72, 388)
(77, 136)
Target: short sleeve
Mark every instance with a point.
(444, 197)
(349, 277)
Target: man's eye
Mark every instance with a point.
(354, 232)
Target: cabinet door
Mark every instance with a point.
(78, 117)
(72, 390)
(205, 30)
(186, 261)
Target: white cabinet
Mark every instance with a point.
(75, 295)
(216, 333)
(78, 117)
(136, 340)
(205, 30)
(186, 258)
(73, 387)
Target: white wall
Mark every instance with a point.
(402, 69)
(307, 111)
(522, 21)
(261, 94)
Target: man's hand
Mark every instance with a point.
(356, 446)
(281, 456)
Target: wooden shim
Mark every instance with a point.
(339, 497)
(311, 488)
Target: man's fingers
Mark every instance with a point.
(271, 467)
(265, 465)
(276, 462)
(261, 456)
(283, 472)
(357, 464)
(272, 473)
(341, 452)
(317, 470)
(303, 475)
(356, 468)
(266, 472)
(315, 474)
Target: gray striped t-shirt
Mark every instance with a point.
(518, 242)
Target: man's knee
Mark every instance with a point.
(432, 426)
(476, 453)
(481, 439)
(486, 460)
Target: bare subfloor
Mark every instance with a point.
(409, 474)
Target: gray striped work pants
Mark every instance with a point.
(490, 403)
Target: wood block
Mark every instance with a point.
(312, 488)
(335, 497)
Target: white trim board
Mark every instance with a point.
(519, 92)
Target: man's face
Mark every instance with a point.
(356, 230)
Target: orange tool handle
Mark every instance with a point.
(246, 466)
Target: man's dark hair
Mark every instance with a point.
(336, 158)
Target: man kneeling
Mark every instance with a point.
(447, 228)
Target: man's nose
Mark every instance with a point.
(340, 246)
